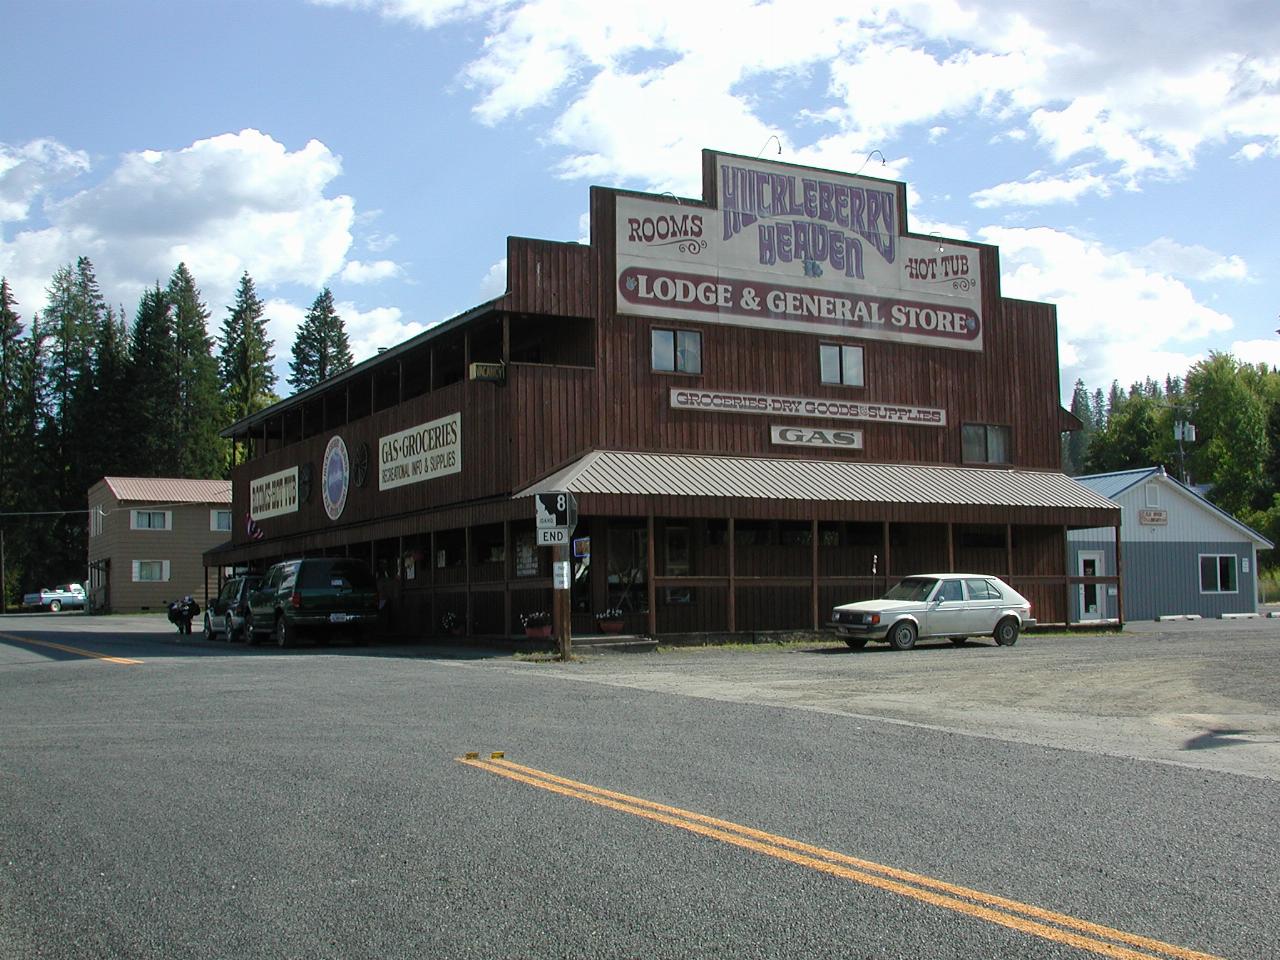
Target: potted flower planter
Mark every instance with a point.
(609, 626)
(539, 632)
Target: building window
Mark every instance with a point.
(986, 443)
(220, 520)
(150, 520)
(1218, 573)
(840, 364)
(150, 571)
(1153, 495)
(677, 351)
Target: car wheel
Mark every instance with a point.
(232, 633)
(284, 635)
(1006, 633)
(903, 635)
(856, 643)
(958, 641)
(208, 628)
(250, 637)
(55, 605)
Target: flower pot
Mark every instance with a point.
(609, 626)
(538, 632)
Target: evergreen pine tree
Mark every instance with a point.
(13, 444)
(321, 348)
(245, 359)
(1077, 444)
(153, 370)
(200, 452)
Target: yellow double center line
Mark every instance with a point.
(65, 649)
(1023, 917)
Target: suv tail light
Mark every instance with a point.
(295, 600)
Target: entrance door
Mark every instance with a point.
(1092, 595)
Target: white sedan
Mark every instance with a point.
(952, 605)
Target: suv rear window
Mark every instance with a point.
(322, 574)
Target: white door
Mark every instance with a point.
(1092, 595)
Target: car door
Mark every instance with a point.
(946, 611)
(984, 605)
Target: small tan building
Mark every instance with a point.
(147, 537)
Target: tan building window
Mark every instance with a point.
(840, 364)
(986, 443)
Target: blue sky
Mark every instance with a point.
(1128, 166)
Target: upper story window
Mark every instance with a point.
(150, 520)
(220, 520)
(1153, 495)
(677, 351)
(986, 443)
(840, 364)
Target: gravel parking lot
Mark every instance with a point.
(1199, 694)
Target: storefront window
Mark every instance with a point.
(628, 566)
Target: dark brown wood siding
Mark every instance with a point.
(1011, 382)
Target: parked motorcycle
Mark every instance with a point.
(182, 612)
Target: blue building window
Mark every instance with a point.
(1218, 573)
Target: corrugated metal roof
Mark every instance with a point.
(1114, 484)
(646, 474)
(169, 490)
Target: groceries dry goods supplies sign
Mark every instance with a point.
(796, 249)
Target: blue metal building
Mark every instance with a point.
(1179, 553)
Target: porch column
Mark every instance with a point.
(507, 561)
(733, 610)
(885, 535)
(813, 539)
(1066, 580)
(951, 547)
(1119, 579)
(1008, 550)
(651, 586)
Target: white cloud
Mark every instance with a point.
(494, 283)
(1040, 189)
(357, 271)
(378, 328)
(1139, 93)
(1194, 262)
(1258, 351)
(29, 170)
(222, 205)
(1117, 318)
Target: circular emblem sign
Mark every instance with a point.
(335, 474)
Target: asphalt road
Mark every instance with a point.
(216, 801)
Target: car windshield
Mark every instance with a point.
(912, 588)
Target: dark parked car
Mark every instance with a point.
(323, 595)
(226, 612)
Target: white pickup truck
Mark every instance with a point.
(64, 595)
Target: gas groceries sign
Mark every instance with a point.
(792, 248)
(424, 452)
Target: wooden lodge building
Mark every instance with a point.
(766, 402)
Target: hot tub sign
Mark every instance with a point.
(274, 495)
(335, 477)
(425, 452)
(793, 248)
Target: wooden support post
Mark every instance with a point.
(1119, 579)
(813, 552)
(561, 608)
(886, 556)
(651, 587)
(1008, 549)
(508, 564)
(951, 547)
(733, 589)
(1066, 579)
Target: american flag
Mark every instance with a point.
(251, 528)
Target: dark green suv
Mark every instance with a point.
(322, 595)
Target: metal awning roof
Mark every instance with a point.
(684, 475)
